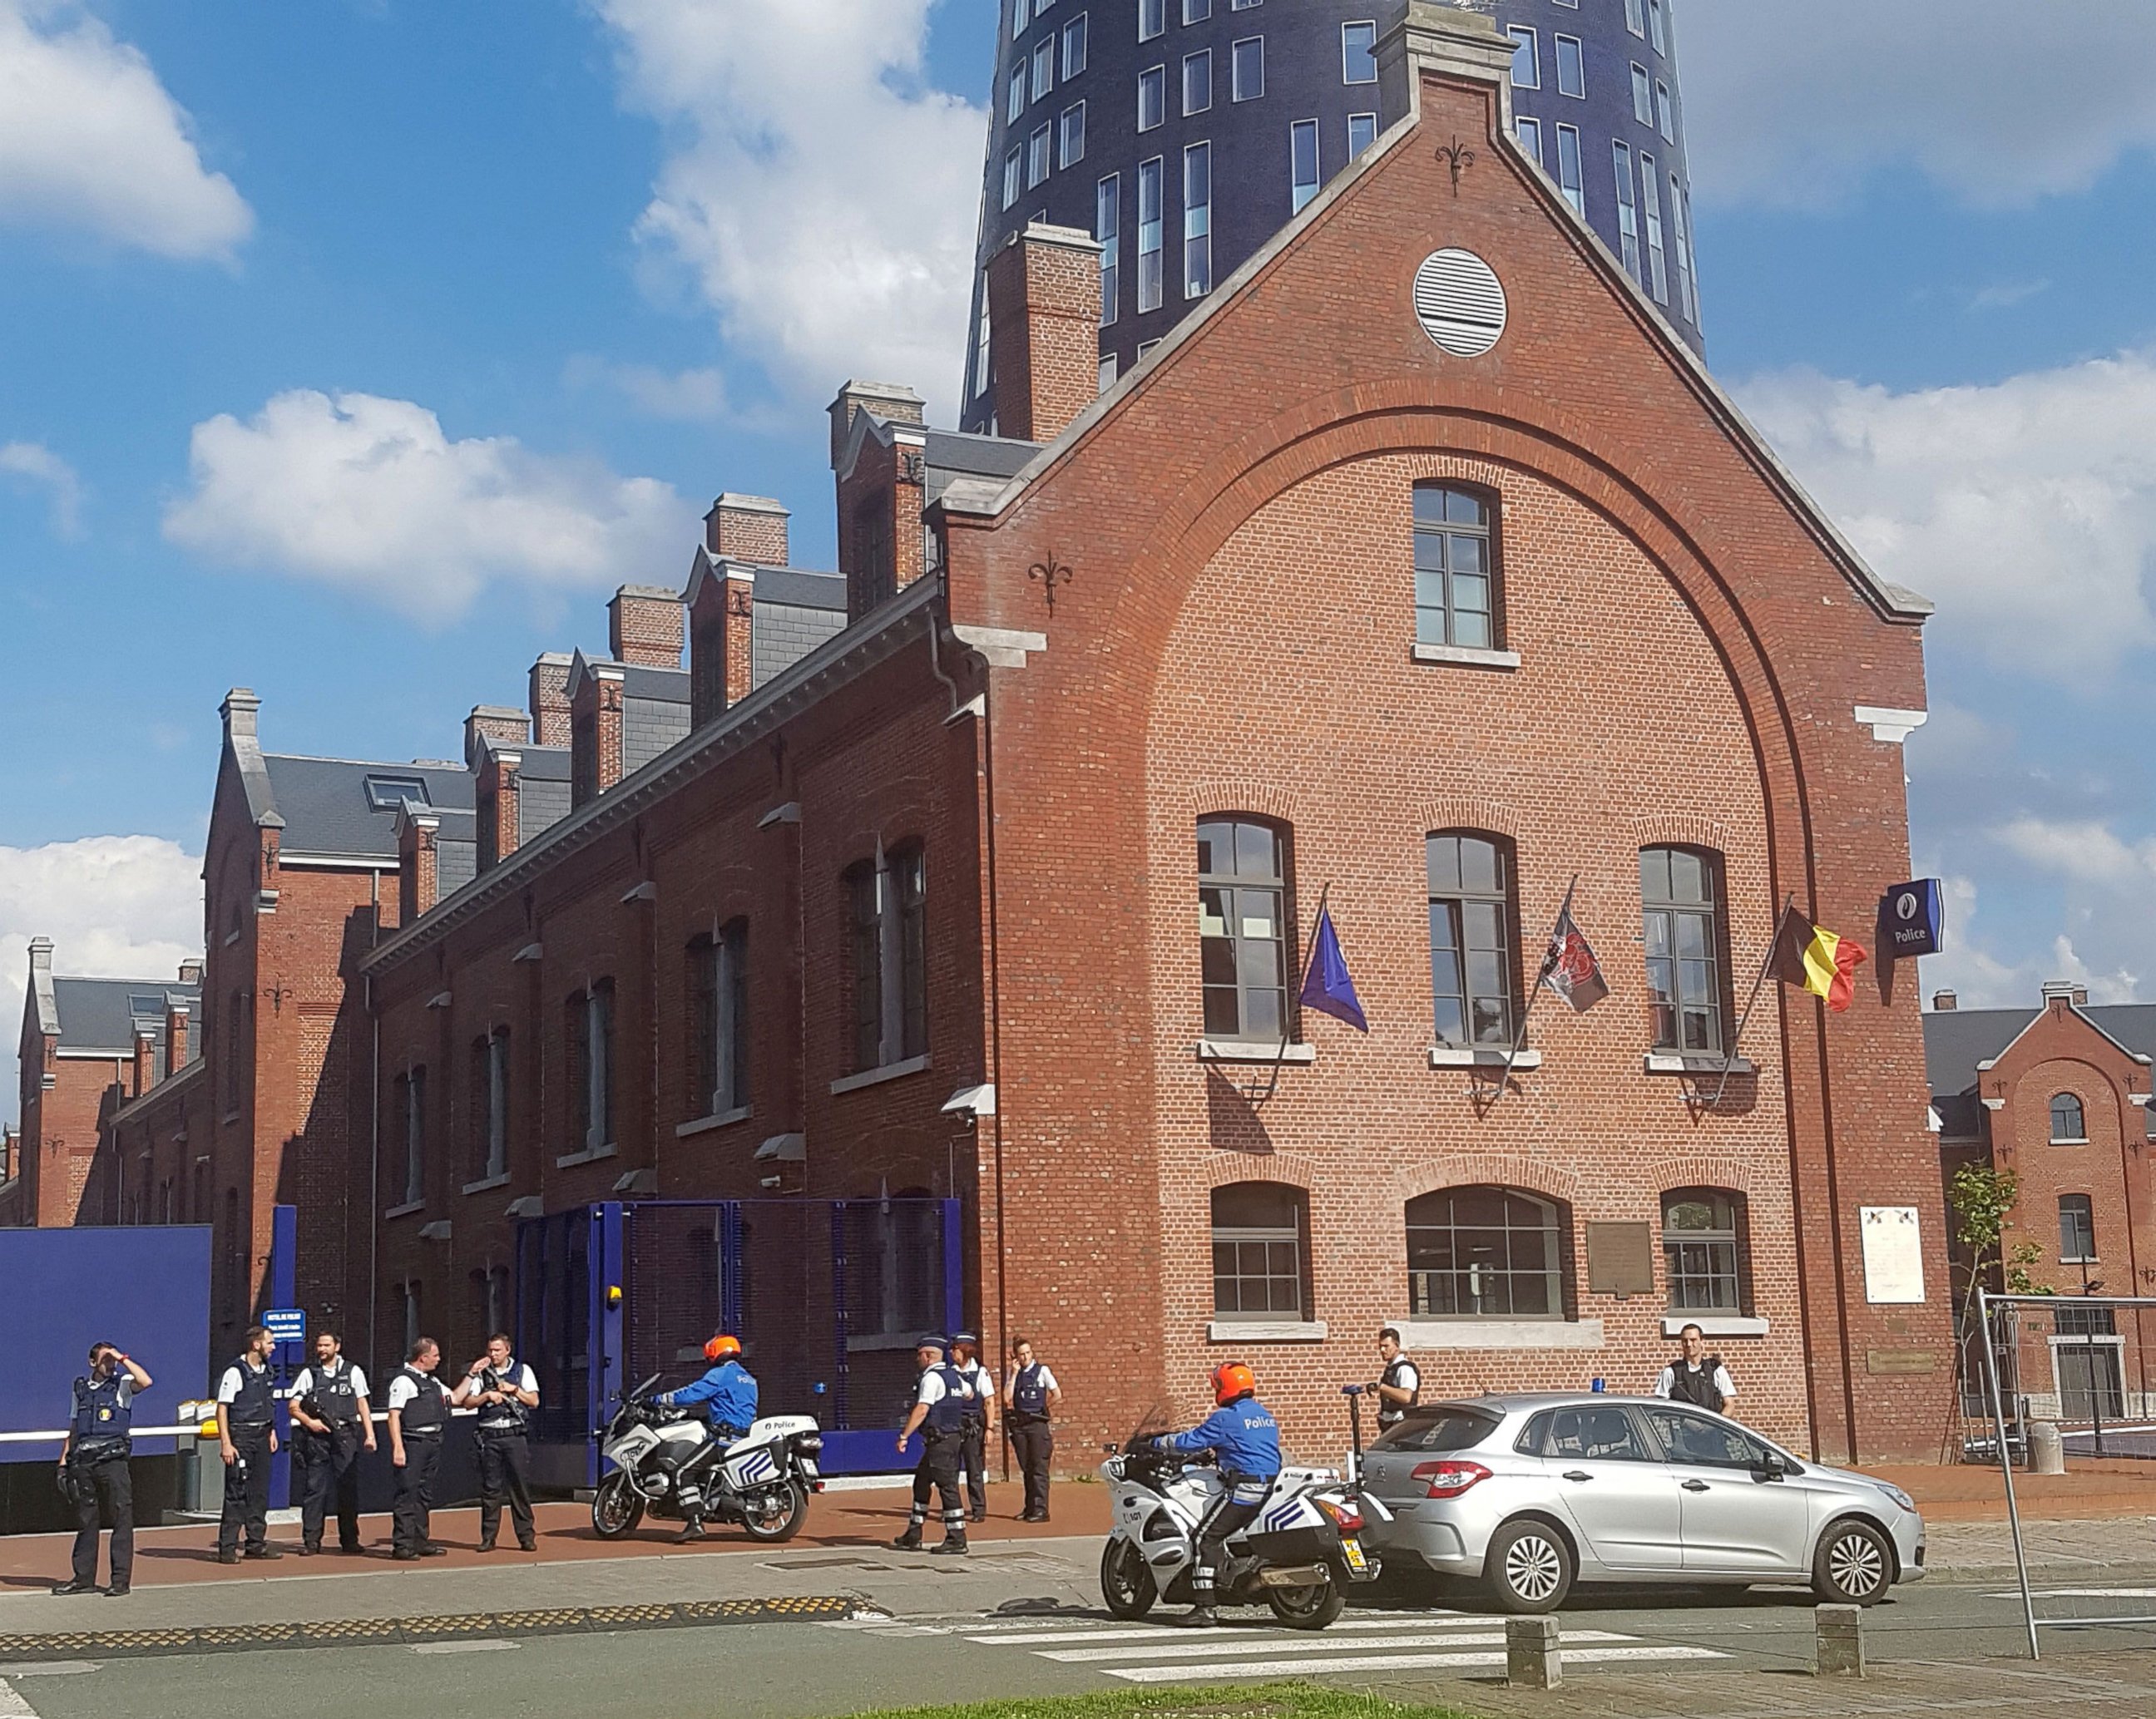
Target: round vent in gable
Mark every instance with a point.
(1459, 302)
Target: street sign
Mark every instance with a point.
(286, 1325)
(1911, 920)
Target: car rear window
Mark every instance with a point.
(1448, 1427)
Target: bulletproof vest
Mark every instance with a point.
(256, 1404)
(1698, 1388)
(334, 1400)
(1030, 1391)
(101, 1418)
(1388, 1412)
(426, 1415)
(956, 1407)
(509, 1415)
(976, 1410)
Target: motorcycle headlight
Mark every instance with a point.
(1898, 1495)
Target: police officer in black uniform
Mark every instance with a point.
(980, 1418)
(939, 1403)
(336, 1422)
(1399, 1387)
(418, 1410)
(1031, 1400)
(93, 1466)
(247, 1438)
(506, 1392)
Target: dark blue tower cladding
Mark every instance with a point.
(1183, 134)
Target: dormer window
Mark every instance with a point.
(386, 793)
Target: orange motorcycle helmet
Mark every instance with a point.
(1232, 1382)
(721, 1348)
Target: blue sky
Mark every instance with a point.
(354, 350)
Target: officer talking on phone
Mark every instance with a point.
(93, 1467)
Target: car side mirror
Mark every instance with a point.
(1772, 1468)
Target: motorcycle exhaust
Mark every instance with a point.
(1294, 1576)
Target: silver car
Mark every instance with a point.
(1530, 1494)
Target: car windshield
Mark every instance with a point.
(1449, 1426)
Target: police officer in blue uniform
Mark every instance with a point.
(506, 1391)
(728, 1395)
(1244, 1440)
(93, 1466)
(336, 1422)
(980, 1418)
(1031, 1400)
(418, 1405)
(247, 1438)
(941, 1402)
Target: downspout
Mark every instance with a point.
(373, 1125)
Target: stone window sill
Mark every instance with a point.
(1469, 1056)
(484, 1182)
(1267, 1331)
(1499, 1333)
(1667, 1062)
(567, 1160)
(2078, 1140)
(1235, 1050)
(1714, 1325)
(876, 1077)
(404, 1210)
(1467, 656)
(705, 1125)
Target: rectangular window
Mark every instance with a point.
(1152, 97)
(1665, 119)
(1108, 228)
(1146, 347)
(887, 934)
(1198, 220)
(909, 905)
(1702, 1252)
(1526, 59)
(1196, 12)
(1244, 5)
(1044, 67)
(1568, 167)
(1074, 47)
(865, 965)
(981, 347)
(1628, 215)
(1656, 27)
(1153, 18)
(1530, 134)
(1681, 897)
(1635, 17)
(415, 1135)
(1302, 163)
(1455, 593)
(2076, 1229)
(492, 1097)
(1198, 81)
(1362, 133)
(1680, 231)
(1247, 66)
(1471, 940)
(1242, 933)
(729, 1020)
(1070, 149)
(598, 1065)
(1358, 52)
(1257, 1230)
(1150, 236)
(1017, 103)
(1018, 16)
(1014, 176)
(1571, 67)
(1643, 95)
(1107, 371)
(1650, 198)
(1037, 157)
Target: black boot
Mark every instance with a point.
(953, 1544)
(910, 1541)
(693, 1529)
(1201, 1616)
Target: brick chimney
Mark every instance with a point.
(2062, 995)
(503, 723)
(146, 1061)
(882, 547)
(751, 528)
(549, 699)
(501, 826)
(594, 731)
(190, 972)
(1944, 1002)
(1044, 321)
(41, 955)
(1432, 36)
(643, 626)
(721, 600)
(886, 400)
(175, 1028)
(240, 710)
(416, 831)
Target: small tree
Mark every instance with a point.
(1983, 1200)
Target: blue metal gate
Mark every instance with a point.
(827, 1296)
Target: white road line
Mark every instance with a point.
(1025, 1638)
(488, 1646)
(1241, 1669)
(49, 1668)
(2079, 1593)
(12, 1706)
(1221, 1651)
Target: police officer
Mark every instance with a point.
(1696, 1377)
(329, 1402)
(1399, 1387)
(980, 1418)
(418, 1409)
(1031, 1397)
(1244, 1440)
(506, 1392)
(940, 1404)
(727, 1393)
(247, 1438)
(94, 1466)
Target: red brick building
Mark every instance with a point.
(1425, 570)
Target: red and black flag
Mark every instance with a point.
(1570, 968)
(1815, 961)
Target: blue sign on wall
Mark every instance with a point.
(1911, 920)
(285, 1325)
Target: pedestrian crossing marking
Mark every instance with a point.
(1387, 1662)
(1220, 1649)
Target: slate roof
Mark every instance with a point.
(327, 811)
(100, 1014)
(1957, 1039)
(953, 453)
(799, 588)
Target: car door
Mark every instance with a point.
(1611, 1482)
(1735, 1519)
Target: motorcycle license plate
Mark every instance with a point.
(1353, 1547)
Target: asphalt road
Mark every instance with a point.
(779, 1670)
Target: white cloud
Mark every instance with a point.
(89, 138)
(2083, 850)
(370, 495)
(823, 199)
(1998, 101)
(685, 396)
(2025, 509)
(116, 906)
(40, 465)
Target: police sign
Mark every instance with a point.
(285, 1325)
(1911, 920)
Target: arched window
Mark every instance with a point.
(2069, 1125)
(1485, 1253)
(1472, 941)
(1703, 1251)
(1680, 898)
(1242, 929)
(1259, 1252)
(1456, 571)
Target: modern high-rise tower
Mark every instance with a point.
(1181, 134)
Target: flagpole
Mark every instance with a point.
(1534, 990)
(1287, 1024)
(1758, 984)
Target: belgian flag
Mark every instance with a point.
(1815, 961)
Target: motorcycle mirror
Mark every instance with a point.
(1353, 1390)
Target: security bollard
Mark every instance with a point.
(1841, 1641)
(1532, 1657)
(2047, 1450)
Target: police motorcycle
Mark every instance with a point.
(761, 1481)
(1300, 1556)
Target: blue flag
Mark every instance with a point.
(1327, 987)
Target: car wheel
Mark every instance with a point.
(1528, 1567)
(1854, 1565)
